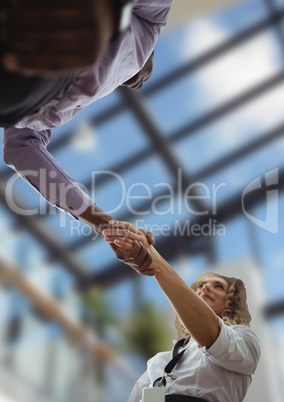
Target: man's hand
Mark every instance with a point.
(55, 36)
(143, 75)
(137, 258)
(134, 254)
(131, 246)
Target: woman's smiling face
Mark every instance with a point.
(213, 290)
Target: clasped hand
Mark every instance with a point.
(131, 246)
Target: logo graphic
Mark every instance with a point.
(270, 223)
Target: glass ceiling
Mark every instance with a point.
(114, 140)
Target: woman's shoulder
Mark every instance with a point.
(245, 332)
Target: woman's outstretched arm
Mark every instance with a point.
(197, 317)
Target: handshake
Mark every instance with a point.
(133, 246)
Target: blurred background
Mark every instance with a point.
(196, 157)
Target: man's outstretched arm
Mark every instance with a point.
(26, 149)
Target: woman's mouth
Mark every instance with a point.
(206, 296)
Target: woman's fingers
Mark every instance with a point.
(124, 230)
(127, 246)
(124, 235)
(132, 229)
(124, 225)
(138, 258)
(131, 246)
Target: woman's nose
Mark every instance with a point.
(206, 286)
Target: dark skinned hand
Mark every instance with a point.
(132, 250)
(143, 75)
(53, 37)
(132, 254)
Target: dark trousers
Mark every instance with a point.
(21, 96)
(183, 398)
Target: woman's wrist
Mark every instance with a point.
(157, 260)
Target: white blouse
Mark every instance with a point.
(220, 373)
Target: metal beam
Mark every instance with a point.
(45, 236)
(51, 309)
(155, 136)
(113, 274)
(213, 168)
(274, 309)
(200, 61)
(192, 127)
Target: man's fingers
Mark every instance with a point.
(140, 258)
(137, 258)
(120, 253)
(131, 256)
(125, 240)
(143, 268)
(151, 272)
(134, 253)
(127, 253)
(146, 272)
(150, 236)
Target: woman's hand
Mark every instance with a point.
(130, 252)
(131, 246)
(55, 36)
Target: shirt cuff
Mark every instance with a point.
(219, 346)
(75, 202)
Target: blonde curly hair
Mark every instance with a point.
(236, 309)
